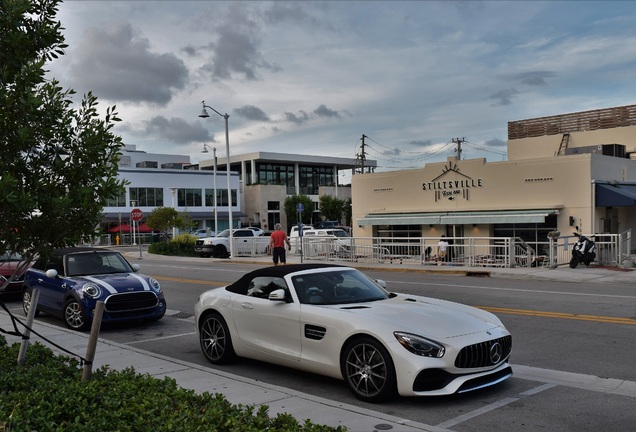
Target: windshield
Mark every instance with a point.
(94, 263)
(10, 257)
(337, 287)
(224, 233)
(340, 233)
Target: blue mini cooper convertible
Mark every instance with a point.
(72, 280)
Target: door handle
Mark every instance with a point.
(247, 306)
(40, 280)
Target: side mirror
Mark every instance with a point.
(136, 267)
(381, 283)
(277, 295)
(51, 273)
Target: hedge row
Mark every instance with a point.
(47, 394)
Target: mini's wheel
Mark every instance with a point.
(27, 301)
(215, 339)
(368, 370)
(74, 316)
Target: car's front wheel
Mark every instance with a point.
(215, 339)
(368, 370)
(74, 316)
(27, 301)
(219, 251)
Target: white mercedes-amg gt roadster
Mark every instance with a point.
(336, 321)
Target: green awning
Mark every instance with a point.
(457, 218)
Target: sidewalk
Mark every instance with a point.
(302, 406)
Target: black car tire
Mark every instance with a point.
(74, 316)
(215, 339)
(368, 370)
(27, 297)
(219, 251)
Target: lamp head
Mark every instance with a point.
(204, 113)
(205, 149)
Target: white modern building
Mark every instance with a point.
(160, 180)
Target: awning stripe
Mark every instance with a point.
(457, 218)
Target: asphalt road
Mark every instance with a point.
(570, 340)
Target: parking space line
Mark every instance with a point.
(159, 338)
(493, 406)
(561, 315)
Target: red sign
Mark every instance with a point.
(136, 214)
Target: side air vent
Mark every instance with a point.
(314, 332)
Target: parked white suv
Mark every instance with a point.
(333, 239)
(247, 242)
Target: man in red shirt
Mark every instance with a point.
(277, 245)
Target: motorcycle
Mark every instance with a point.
(583, 251)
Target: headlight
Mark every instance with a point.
(208, 242)
(154, 283)
(419, 345)
(91, 290)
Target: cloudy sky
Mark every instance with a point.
(311, 77)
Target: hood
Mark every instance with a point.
(427, 316)
(118, 282)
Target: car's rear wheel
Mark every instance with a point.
(368, 370)
(215, 339)
(74, 316)
(219, 251)
(27, 301)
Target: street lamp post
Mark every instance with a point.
(205, 150)
(173, 191)
(204, 114)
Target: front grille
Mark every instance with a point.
(199, 243)
(131, 301)
(484, 354)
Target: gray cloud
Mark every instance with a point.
(420, 143)
(176, 130)
(118, 65)
(504, 97)
(297, 119)
(237, 49)
(251, 112)
(535, 78)
(324, 112)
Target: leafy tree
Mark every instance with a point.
(331, 207)
(58, 165)
(292, 214)
(163, 219)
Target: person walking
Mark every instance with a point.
(277, 245)
(442, 250)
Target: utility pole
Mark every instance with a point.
(361, 156)
(459, 142)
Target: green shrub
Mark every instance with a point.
(47, 394)
(181, 245)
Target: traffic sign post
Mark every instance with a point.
(136, 215)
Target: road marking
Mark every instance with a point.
(516, 290)
(560, 315)
(493, 406)
(192, 281)
(159, 338)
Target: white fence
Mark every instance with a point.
(612, 250)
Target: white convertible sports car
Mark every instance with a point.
(335, 321)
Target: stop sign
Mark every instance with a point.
(136, 214)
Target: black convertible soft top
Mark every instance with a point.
(274, 271)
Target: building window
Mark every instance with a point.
(312, 177)
(535, 234)
(221, 198)
(189, 198)
(273, 213)
(119, 201)
(147, 197)
(278, 174)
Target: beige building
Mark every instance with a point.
(562, 171)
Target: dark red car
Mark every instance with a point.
(8, 265)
